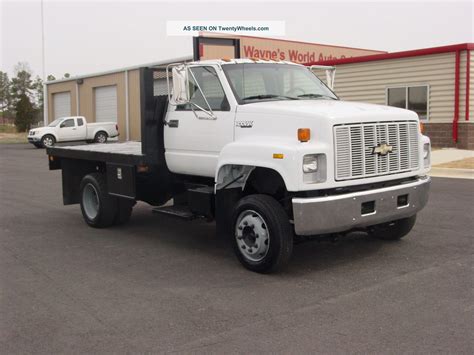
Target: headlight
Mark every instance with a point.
(310, 164)
(314, 168)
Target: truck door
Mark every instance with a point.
(67, 130)
(81, 129)
(193, 140)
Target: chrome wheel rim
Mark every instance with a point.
(47, 141)
(252, 236)
(90, 201)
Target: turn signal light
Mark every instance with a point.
(304, 134)
(422, 127)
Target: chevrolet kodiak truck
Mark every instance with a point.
(266, 150)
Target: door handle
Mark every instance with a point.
(172, 123)
(74, 129)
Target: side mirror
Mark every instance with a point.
(180, 90)
(61, 125)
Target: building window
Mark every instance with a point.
(413, 98)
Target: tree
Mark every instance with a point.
(38, 99)
(24, 113)
(5, 94)
(37, 86)
(50, 77)
(21, 84)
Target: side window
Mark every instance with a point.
(413, 98)
(80, 122)
(397, 97)
(418, 101)
(210, 86)
(68, 123)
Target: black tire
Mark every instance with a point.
(107, 205)
(100, 137)
(393, 230)
(124, 211)
(277, 230)
(48, 141)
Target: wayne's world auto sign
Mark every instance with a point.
(273, 49)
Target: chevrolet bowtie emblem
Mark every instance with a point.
(382, 149)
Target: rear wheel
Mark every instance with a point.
(100, 137)
(263, 238)
(48, 141)
(393, 230)
(98, 208)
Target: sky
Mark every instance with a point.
(90, 36)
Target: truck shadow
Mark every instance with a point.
(200, 240)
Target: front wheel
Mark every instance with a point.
(263, 238)
(100, 137)
(393, 230)
(48, 141)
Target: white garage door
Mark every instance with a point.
(62, 104)
(106, 104)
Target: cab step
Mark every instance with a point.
(179, 211)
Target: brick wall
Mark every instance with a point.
(466, 136)
(441, 135)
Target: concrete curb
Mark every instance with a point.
(452, 173)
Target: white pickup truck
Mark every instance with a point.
(266, 150)
(70, 129)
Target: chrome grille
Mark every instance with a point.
(354, 146)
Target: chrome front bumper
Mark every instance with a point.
(338, 213)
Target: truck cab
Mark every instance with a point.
(269, 152)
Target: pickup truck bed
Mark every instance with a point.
(129, 153)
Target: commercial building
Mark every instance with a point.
(106, 96)
(435, 82)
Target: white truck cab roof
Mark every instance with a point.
(240, 61)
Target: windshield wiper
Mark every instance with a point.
(268, 96)
(316, 96)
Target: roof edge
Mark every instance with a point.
(397, 55)
(118, 70)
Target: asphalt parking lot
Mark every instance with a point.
(162, 285)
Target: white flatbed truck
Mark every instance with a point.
(266, 150)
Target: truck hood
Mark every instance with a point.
(335, 110)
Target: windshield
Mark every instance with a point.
(254, 82)
(55, 122)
